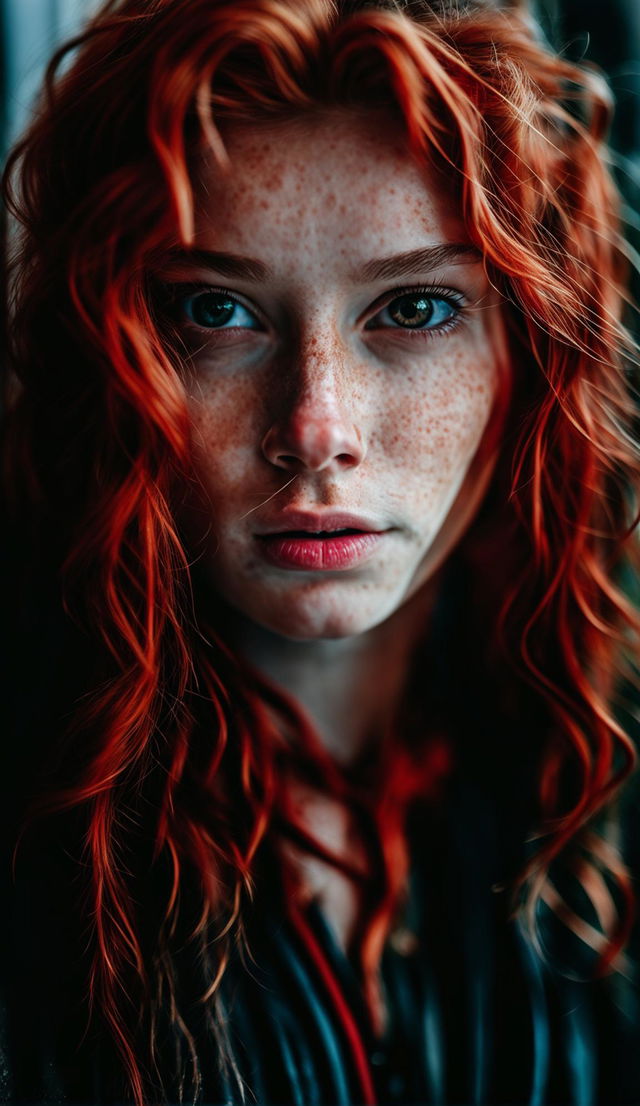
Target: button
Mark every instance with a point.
(405, 942)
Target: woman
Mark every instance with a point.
(321, 470)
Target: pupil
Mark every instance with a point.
(212, 310)
(412, 310)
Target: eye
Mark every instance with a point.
(422, 309)
(211, 309)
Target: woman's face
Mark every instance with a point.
(343, 354)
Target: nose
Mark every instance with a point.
(314, 429)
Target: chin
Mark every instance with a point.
(313, 617)
(313, 626)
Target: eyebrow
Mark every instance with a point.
(418, 261)
(383, 268)
(229, 264)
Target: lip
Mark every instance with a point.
(316, 521)
(321, 554)
(285, 544)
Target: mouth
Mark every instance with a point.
(297, 521)
(319, 550)
(317, 534)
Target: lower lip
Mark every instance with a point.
(320, 554)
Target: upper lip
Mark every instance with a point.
(314, 522)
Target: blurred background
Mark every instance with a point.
(30, 31)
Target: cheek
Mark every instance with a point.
(441, 417)
(225, 427)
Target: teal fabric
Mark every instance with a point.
(476, 1018)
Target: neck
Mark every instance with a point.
(350, 688)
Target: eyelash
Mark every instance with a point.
(175, 293)
(431, 291)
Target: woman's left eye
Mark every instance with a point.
(418, 311)
(212, 310)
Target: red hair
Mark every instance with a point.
(174, 740)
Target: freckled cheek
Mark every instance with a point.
(439, 425)
(225, 434)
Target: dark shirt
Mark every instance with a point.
(475, 1017)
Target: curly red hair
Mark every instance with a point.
(173, 734)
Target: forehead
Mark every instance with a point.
(337, 175)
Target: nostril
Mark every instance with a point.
(315, 444)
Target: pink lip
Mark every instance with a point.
(343, 551)
(315, 521)
(285, 543)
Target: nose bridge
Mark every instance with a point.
(320, 370)
(314, 426)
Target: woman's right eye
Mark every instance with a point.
(214, 310)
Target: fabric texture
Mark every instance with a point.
(475, 1018)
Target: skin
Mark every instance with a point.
(314, 397)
